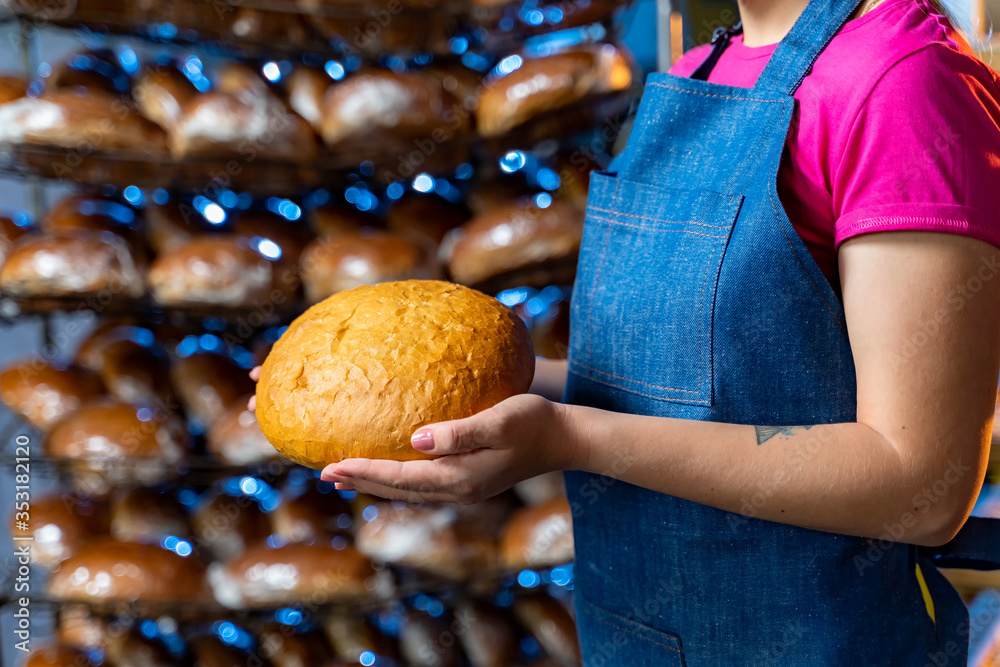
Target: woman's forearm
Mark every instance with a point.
(843, 478)
(550, 378)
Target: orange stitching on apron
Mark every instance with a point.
(792, 248)
(645, 384)
(653, 229)
(708, 266)
(725, 97)
(597, 277)
(624, 629)
(643, 217)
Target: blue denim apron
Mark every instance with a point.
(695, 298)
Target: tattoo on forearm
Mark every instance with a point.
(765, 433)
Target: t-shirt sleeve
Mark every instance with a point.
(923, 153)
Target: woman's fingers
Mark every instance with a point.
(453, 478)
(252, 403)
(255, 373)
(480, 431)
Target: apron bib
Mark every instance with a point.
(695, 298)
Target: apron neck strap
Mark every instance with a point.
(797, 52)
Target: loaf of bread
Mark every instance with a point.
(60, 523)
(266, 576)
(107, 570)
(161, 93)
(219, 270)
(236, 439)
(97, 121)
(539, 536)
(338, 262)
(209, 384)
(43, 392)
(81, 264)
(515, 244)
(242, 117)
(429, 539)
(377, 109)
(357, 374)
(548, 83)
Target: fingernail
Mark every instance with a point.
(343, 487)
(423, 441)
(341, 473)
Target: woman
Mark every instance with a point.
(784, 353)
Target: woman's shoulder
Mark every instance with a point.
(690, 61)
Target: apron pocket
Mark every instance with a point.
(645, 288)
(613, 640)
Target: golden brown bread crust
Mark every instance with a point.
(381, 109)
(228, 525)
(550, 82)
(161, 93)
(12, 87)
(539, 536)
(98, 121)
(311, 515)
(43, 393)
(443, 352)
(513, 237)
(107, 570)
(112, 430)
(144, 515)
(429, 539)
(60, 523)
(315, 573)
(338, 262)
(236, 439)
(81, 264)
(551, 624)
(56, 655)
(208, 384)
(220, 270)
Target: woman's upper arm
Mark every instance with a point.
(923, 315)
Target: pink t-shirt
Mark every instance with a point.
(897, 127)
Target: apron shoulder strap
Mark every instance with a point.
(797, 52)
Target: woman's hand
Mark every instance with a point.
(255, 376)
(480, 456)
